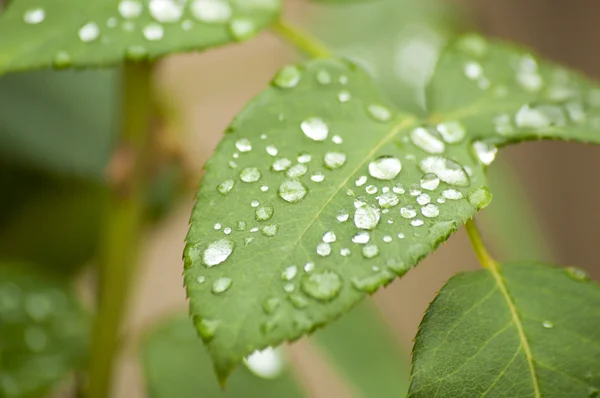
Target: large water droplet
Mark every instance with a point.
(379, 112)
(250, 174)
(89, 32)
(34, 16)
(289, 76)
(225, 187)
(486, 152)
(153, 32)
(428, 140)
(292, 190)
(385, 168)
(452, 132)
(367, 217)
(267, 364)
(447, 170)
(166, 11)
(243, 145)
(211, 11)
(322, 285)
(221, 285)
(217, 252)
(130, 9)
(264, 213)
(315, 129)
(480, 198)
(334, 160)
(242, 29)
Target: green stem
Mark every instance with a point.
(483, 255)
(300, 39)
(119, 246)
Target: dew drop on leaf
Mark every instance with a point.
(269, 230)
(486, 153)
(271, 304)
(388, 199)
(153, 32)
(473, 70)
(242, 28)
(323, 77)
(34, 16)
(415, 190)
(379, 113)
(528, 75)
(342, 216)
(136, 53)
(577, 274)
(417, 222)
(385, 168)
(297, 170)
(344, 96)
(89, 32)
(317, 177)
(452, 194)
(430, 210)
(289, 76)
(408, 211)
(254, 203)
(201, 279)
(292, 190)
(289, 273)
(539, 117)
(367, 217)
(360, 181)
(334, 160)
(322, 285)
(430, 181)
(329, 237)
(423, 199)
(304, 158)
(272, 150)
(370, 251)
(480, 198)
(371, 283)
(264, 213)
(221, 285)
(243, 145)
(250, 174)
(217, 252)
(315, 129)
(447, 170)
(165, 11)
(452, 132)
(308, 267)
(428, 140)
(62, 59)
(130, 9)
(324, 249)
(211, 11)
(345, 252)
(361, 238)
(266, 364)
(225, 187)
(298, 301)
(206, 328)
(371, 189)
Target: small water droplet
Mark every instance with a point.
(304, 158)
(370, 251)
(289, 287)
(289, 273)
(388, 199)
(322, 285)
(400, 236)
(473, 70)
(324, 249)
(361, 238)
(452, 194)
(218, 226)
(227, 231)
(206, 328)
(89, 32)
(271, 304)
(334, 160)
(345, 252)
(308, 267)
(342, 216)
(165, 11)
(315, 129)
(241, 225)
(266, 364)
(264, 188)
(250, 174)
(408, 211)
(337, 139)
(548, 324)
(289, 76)
(153, 32)
(344, 96)
(242, 28)
(371, 189)
(243, 145)
(485, 152)
(211, 11)
(387, 238)
(317, 176)
(297, 170)
(452, 132)
(269, 230)
(371, 283)
(130, 9)
(398, 188)
(528, 75)
(225, 187)
(417, 222)
(264, 213)
(34, 16)
(323, 77)
(201, 279)
(268, 326)
(430, 210)
(423, 199)
(292, 190)
(480, 198)
(255, 203)
(385, 168)
(447, 170)
(577, 274)
(428, 139)
(360, 181)
(379, 112)
(272, 150)
(62, 59)
(329, 237)
(136, 53)
(367, 217)
(217, 252)
(221, 285)
(430, 181)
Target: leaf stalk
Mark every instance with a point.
(301, 39)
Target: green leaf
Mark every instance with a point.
(361, 337)
(64, 33)
(504, 94)
(247, 238)
(521, 330)
(175, 364)
(43, 331)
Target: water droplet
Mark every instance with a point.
(408, 211)
(548, 324)
(165, 11)
(243, 145)
(315, 129)
(370, 251)
(473, 44)
(447, 170)
(201, 279)
(250, 174)
(398, 188)
(308, 267)
(298, 301)
(428, 140)
(34, 16)
(254, 203)
(297, 170)
(62, 59)
(360, 181)
(430, 210)
(361, 238)
(269, 230)
(255, 229)
(272, 150)
(322, 285)
(387, 239)
(217, 252)
(452, 132)
(242, 29)
(289, 273)
(292, 190)
(271, 304)
(417, 223)
(211, 11)
(400, 236)
(289, 76)
(486, 152)
(379, 112)
(323, 77)
(430, 181)
(473, 70)
(344, 96)
(343, 80)
(371, 283)
(385, 168)
(206, 328)
(264, 213)
(539, 117)
(423, 199)
(267, 364)
(130, 9)
(241, 225)
(264, 188)
(89, 32)
(414, 189)
(367, 217)
(153, 32)
(342, 216)
(218, 226)
(317, 177)
(480, 198)
(371, 189)
(388, 199)
(528, 75)
(329, 237)
(452, 194)
(268, 326)
(227, 231)
(577, 274)
(324, 249)
(334, 160)
(225, 187)
(337, 139)
(304, 158)
(345, 252)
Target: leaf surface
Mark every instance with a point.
(64, 33)
(43, 331)
(175, 364)
(525, 330)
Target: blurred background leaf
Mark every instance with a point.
(43, 331)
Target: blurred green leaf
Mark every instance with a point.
(59, 121)
(175, 364)
(43, 331)
(363, 349)
(64, 33)
(526, 330)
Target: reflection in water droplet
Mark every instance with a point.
(528, 75)
(447, 170)
(217, 252)
(315, 129)
(227, 231)
(385, 168)
(218, 226)
(486, 153)
(417, 223)
(242, 29)
(308, 267)
(317, 177)
(428, 140)
(379, 112)
(264, 213)
(334, 160)
(289, 76)
(34, 16)
(324, 249)
(269, 230)
(388, 199)
(370, 251)
(430, 181)
(452, 194)
(337, 139)
(292, 190)
(322, 285)
(367, 217)
(398, 188)
(360, 181)
(423, 199)
(254, 203)
(250, 174)
(89, 32)
(452, 132)
(165, 11)
(153, 32)
(267, 364)
(225, 187)
(221, 285)
(480, 198)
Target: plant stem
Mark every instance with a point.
(119, 246)
(302, 40)
(483, 255)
